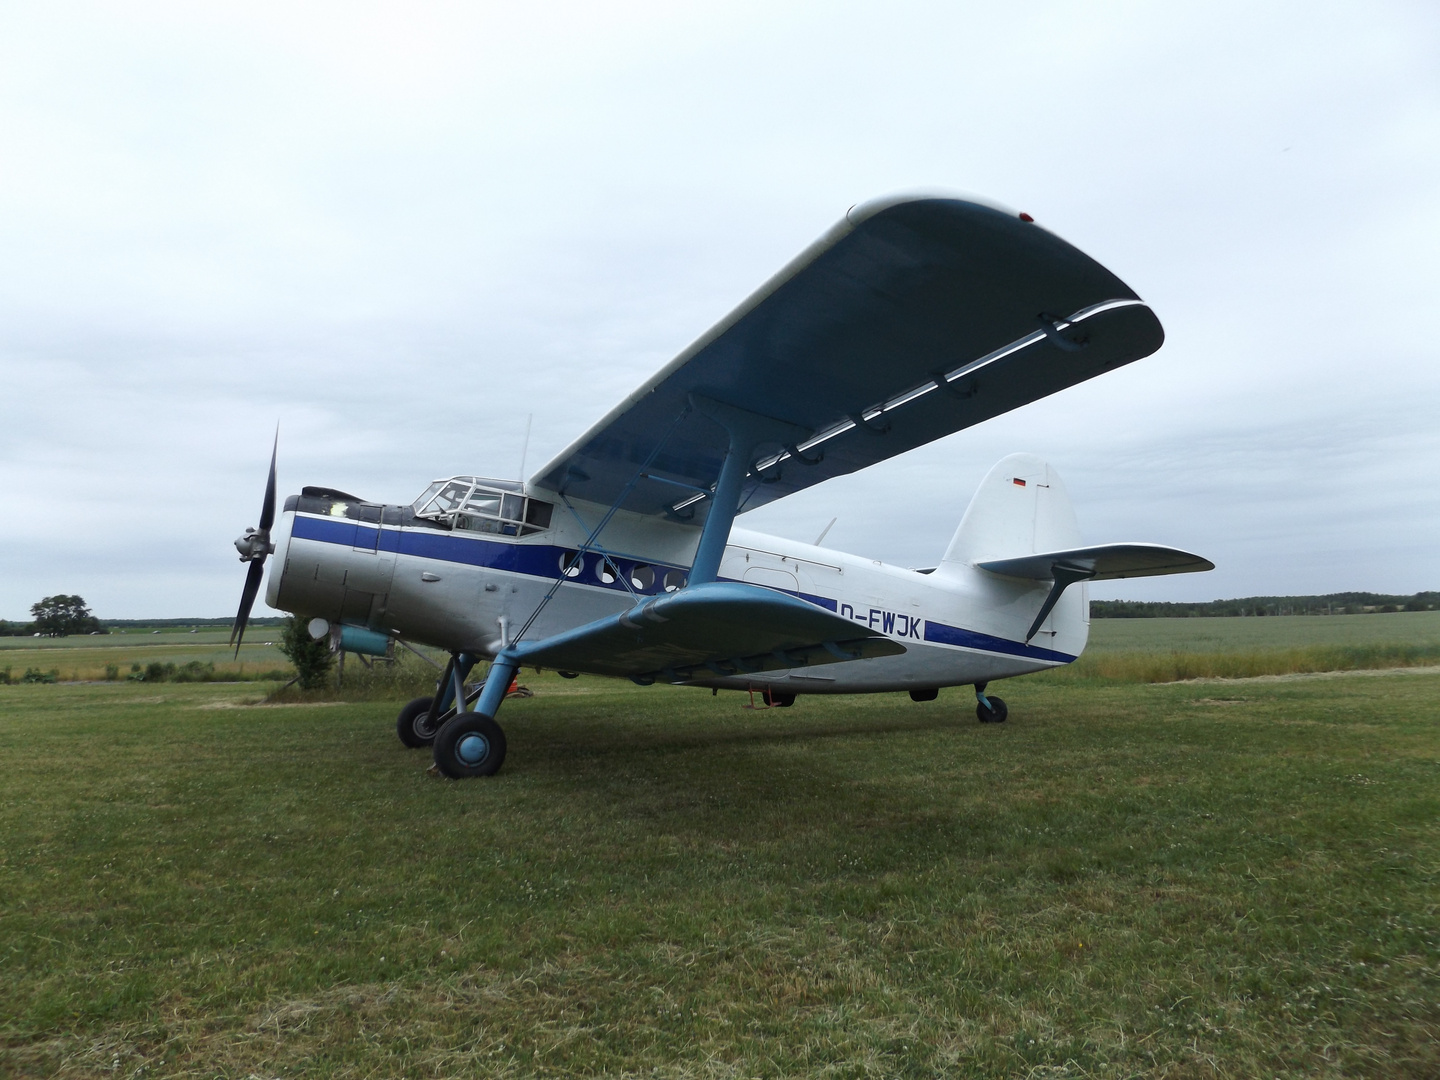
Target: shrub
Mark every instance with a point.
(35, 675)
(112, 672)
(312, 659)
(194, 671)
(407, 677)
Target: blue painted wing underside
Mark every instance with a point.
(871, 312)
(720, 628)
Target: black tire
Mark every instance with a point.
(470, 744)
(411, 724)
(924, 695)
(996, 714)
(779, 699)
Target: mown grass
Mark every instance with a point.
(1140, 880)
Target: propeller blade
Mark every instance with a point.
(267, 511)
(247, 601)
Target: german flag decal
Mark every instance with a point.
(1017, 481)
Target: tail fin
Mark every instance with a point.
(1020, 508)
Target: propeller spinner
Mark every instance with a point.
(254, 546)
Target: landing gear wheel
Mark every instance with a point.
(779, 699)
(413, 724)
(470, 744)
(995, 714)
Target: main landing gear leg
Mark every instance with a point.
(989, 710)
(421, 719)
(471, 743)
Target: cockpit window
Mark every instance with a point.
(478, 504)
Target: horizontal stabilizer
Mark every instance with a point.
(707, 630)
(1101, 562)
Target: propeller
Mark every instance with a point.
(254, 546)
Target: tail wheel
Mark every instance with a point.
(414, 726)
(995, 714)
(471, 744)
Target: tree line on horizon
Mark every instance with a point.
(1344, 603)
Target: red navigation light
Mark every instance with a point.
(1026, 217)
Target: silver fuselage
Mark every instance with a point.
(369, 566)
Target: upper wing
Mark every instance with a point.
(1101, 562)
(909, 320)
(718, 628)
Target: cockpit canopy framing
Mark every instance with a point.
(485, 505)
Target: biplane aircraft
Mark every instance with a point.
(912, 318)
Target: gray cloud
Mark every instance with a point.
(399, 231)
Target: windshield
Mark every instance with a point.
(479, 504)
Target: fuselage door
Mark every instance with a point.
(367, 529)
(772, 579)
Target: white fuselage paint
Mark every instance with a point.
(958, 624)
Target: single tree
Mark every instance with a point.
(59, 615)
(312, 659)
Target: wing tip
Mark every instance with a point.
(863, 211)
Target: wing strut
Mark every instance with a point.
(1065, 576)
(748, 431)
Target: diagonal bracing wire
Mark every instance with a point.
(588, 545)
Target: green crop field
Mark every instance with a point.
(86, 657)
(1169, 650)
(1275, 632)
(1196, 879)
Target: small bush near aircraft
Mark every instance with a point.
(312, 659)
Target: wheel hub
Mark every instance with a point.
(472, 749)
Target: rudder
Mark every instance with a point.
(1020, 508)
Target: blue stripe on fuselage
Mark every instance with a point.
(941, 634)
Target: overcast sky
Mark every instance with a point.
(398, 230)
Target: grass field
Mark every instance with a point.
(1170, 650)
(1126, 650)
(1176, 880)
(1275, 632)
(85, 658)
